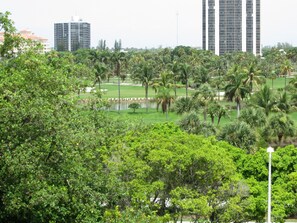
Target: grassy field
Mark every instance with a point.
(128, 90)
(278, 82)
(150, 117)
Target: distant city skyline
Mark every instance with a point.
(144, 23)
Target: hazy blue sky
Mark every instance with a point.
(144, 23)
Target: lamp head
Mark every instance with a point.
(270, 149)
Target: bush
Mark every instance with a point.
(134, 106)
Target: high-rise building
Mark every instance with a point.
(73, 35)
(231, 25)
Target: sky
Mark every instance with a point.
(144, 23)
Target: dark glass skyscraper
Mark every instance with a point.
(73, 35)
(231, 25)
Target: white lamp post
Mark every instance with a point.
(270, 150)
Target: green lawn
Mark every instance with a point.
(140, 115)
(278, 82)
(128, 91)
(155, 117)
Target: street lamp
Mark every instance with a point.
(270, 150)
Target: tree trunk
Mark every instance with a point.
(238, 109)
(175, 89)
(119, 91)
(187, 88)
(146, 96)
(212, 119)
(219, 119)
(204, 114)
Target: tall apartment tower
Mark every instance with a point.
(73, 35)
(231, 25)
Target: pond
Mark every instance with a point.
(124, 105)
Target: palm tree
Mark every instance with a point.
(253, 76)
(264, 99)
(175, 68)
(201, 75)
(100, 74)
(164, 98)
(255, 117)
(236, 90)
(204, 95)
(281, 126)
(286, 69)
(186, 72)
(282, 103)
(165, 80)
(239, 134)
(184, 105)
(215, 109)
(144, 73)
(118, 57)
(192, 124)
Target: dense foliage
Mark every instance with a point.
(63, 159)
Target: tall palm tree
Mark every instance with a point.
(175, 68)
(253, 76)
(283, 102)
(118, 57)
(204, 95)
(100, 73)
(236, 90)
(286, 69)
(186, 72)
(144, 73)
(165, 80)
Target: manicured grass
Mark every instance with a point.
(152, 116)
(278, 82)
(128, 91)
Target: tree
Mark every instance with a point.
(184, 105)
(191, 123)
(164, 98)
(186, 72)
(253, 76)
(282, 103)
(197, 177)
(264, 99)
(286, 69)
(118, 57)
(165, 80)
(215, 109)
(144, 72)
(255, 117)
(281, 126)
(100, 74)
(134, 106)
(239, 134)
(43, 136)
(236, 90)
(203, 96)
(12, 43)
